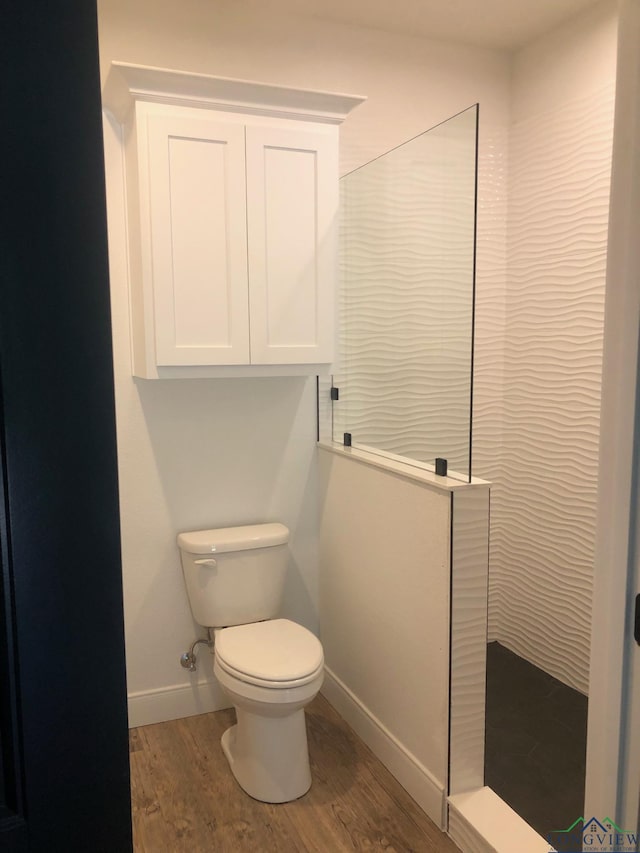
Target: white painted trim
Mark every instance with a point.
(172, 703)
(480, 822)
(615, 515)
(127, 83)
(236, 371)
(420, 783)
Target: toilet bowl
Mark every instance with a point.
(270, 671)
(270, 668)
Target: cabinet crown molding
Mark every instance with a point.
(127, 84)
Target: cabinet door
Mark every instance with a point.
(198, 240)
(292, 204)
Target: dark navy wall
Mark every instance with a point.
(63, 714)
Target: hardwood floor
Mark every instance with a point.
(184, 797)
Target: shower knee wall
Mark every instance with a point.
(403, 607)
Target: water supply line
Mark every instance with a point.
(188, 659)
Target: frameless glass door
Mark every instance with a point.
(407, 295)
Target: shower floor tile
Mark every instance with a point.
(535, 746)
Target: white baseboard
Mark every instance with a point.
(423, 786)
(175, 701)
(481, 822)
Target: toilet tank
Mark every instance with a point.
(234, 575)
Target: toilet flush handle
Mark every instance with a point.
(207, 561)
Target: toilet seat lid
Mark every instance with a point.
(275, 651)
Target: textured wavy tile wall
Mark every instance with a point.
(538, 350)
(538, 442)
(405, 310)
(467, 686)
(490, 309)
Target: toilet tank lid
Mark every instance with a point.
(221, 539)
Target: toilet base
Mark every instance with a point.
(269, 756)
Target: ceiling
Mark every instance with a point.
(500, 24)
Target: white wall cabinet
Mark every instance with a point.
(193, 187)
(232, 194)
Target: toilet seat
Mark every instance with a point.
(264, 682)
(277, 654)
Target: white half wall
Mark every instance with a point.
(201, 453)
(384, 592)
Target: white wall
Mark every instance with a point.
(544, 394)
(213, 452)
(196, 454)
(411, 83)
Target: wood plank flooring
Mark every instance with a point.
(184, 797)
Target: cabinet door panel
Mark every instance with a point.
(292, 195)
(198, 241)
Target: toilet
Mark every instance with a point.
(269, 667)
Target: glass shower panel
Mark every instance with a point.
(406, 305)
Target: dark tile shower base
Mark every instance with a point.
(536, 736)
